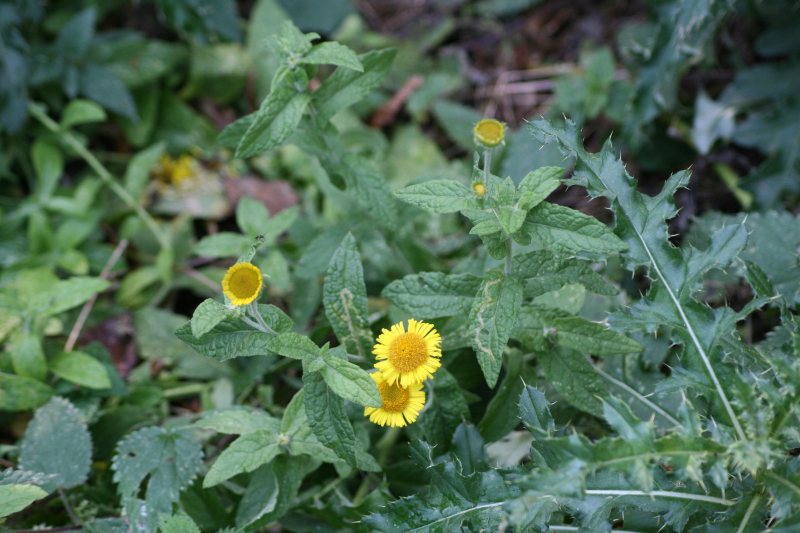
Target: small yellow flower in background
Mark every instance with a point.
(408, 357)
(479, 188)
(401, 405)
(176, 170)
(489, 132)
(242, 283)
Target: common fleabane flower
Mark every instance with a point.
(242, 283)
(408, 357)
(401, 405)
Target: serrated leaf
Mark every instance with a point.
(235, 338)
(468, 447)
(14, 498)
(345, 87)
(574, 378)
(537, 186)
(433, 294)
(534, 410)
(492, 318)
(561, 229)
(445, 411)
(328, 418)
(245, 454)
(440, 196)
(546, 271)
(332, 53)
(295, 346)
(351, 382)
(177, 523)
(510, 219)
(81, 369)
(586, 336)
(208, 315)
(57, 443)
(171, 458)
(274, 122)
(345, 299)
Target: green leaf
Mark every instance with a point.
(547, 271)
(446, 409)
(367, 183)
(561, 229)
(74, 38)
(641, 223)
(222, 244)
(332, 53)
(295, 346)
(510, 219)
(14, 498)
(345, 87)
(328, 418)
(433, 294)
(252, 216)
(233, 133)
(66, 294)
(140, 167)
(170, 457)
(468, 447)
(18, 393)
(57, 443)
(48, 162)
(238, 421)
(537, 186)
(345, 299)
(453, 500)
(288, 473)
(440, 196)
(81, 112)
(274, 122)
(351, 382)
(586, 336)
(260, 497)
(81, 369)
(631, 429)
(492, 318)
(534, 410)
(208, 315)
(27, 356)
(488, 227)
(499, 420)
(278, 224)
(235, 338)
(177, 523)
(245, 454)
(100, 84)
(574, 378)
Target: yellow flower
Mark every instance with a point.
(479, 188)
(176, 170)
(242, 283)
(408, 357)
(489, 132)
(400, 405)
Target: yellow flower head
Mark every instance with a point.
(401, 405)
(408, 357)
(489, 132)
(242, 283)
(176, 170)
(479, 188)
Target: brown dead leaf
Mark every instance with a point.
(275, 195)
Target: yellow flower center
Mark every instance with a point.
(479, 188)
(244, 283)
(395, 398)
(489, 132)
(408, 352)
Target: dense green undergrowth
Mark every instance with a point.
(597, 374)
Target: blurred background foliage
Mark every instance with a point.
(147, 86)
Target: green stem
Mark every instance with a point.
(386, 444)
(101, 171)
(487, 172)
(70, 511)
(252, 307)
(748, 514)
(362, 491)
(509, 257)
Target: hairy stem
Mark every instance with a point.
(68, 507)
(252, 307)
(509, 257)
(487, 172)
